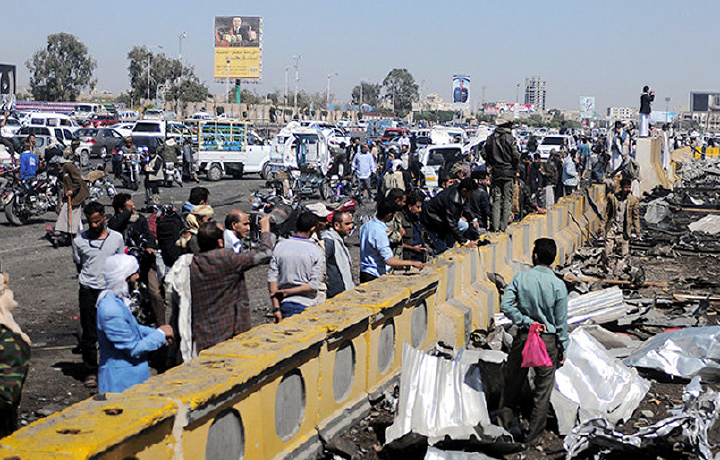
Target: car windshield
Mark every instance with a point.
(436, 159)
(147, 128)
(553, 141)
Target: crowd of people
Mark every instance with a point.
(160, 289)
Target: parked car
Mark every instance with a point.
(392, 133)
(45, 136)
(100, 120)
(86, 137)
(12, 125)
(104, 142)
(555, 142)
(125, 129)
(153, 114)
(148, 127)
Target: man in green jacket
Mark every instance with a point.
(535, 296)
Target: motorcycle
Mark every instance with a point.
(130, 173)
(99, 184)
(173, 174)
(335, 189)
(32, 199)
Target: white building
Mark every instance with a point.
(622, 113)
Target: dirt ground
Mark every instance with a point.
(44, 281)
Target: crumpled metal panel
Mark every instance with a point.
(598, 307)
(591, 384)
(684, 353)
(440, 397)
(696, 416)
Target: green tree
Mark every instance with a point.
(399, 87)
(61, 70)
(370, 93)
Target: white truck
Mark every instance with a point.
(228, 147)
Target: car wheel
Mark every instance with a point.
(265, 171)
(214, 173)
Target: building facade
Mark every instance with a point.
(622, 113)
(535, 92)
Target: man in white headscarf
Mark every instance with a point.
(124, 344)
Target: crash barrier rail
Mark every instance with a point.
(272, 391)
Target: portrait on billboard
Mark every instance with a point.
(237, 31)
(460, 89)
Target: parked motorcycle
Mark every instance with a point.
(99, 184)
(335, 189)
(25, 201)
(173, 174)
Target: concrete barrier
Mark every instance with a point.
(270, 392)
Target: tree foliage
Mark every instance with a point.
(179, 82)
(370, 93)
(400, 88)
(61, 70)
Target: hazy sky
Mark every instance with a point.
(608, 49)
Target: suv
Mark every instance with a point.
(45, 136)
(555, 142)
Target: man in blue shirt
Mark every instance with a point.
(375, 252)
(28, 163)
(535, 296)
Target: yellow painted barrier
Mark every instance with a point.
(267, 392)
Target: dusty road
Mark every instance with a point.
(45, 284)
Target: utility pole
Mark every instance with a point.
(181, 37)
(286, 92)
(327, 95)
(148, 68)
(297, 80)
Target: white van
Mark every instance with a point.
(53, 120)
(128, 115)
(85, 111)
(433, 157)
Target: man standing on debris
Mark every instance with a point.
(535, 296)
(621, 220)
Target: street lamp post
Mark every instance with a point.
(327, 95)
(286, 92)
(148, 69)
(297, 80)
(180, 38)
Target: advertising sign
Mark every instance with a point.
(461, 86)
(701, 101)
(7, 85)
(238, 47)
(587, 107)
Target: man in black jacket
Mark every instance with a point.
(477, 209)
(441, 215)
(502, 156)
(646, 98)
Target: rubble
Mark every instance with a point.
(709, 224)
(591, 383)
(696, 417)
(684, 353)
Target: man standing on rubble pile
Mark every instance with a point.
(535, 296)
(621, 221)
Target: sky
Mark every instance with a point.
(608, 49)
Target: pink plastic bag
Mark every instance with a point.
(535, 354)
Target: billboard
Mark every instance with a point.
(8, 74)
(702, 101)
(587, 107)
(238, 47)
(461, 86)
